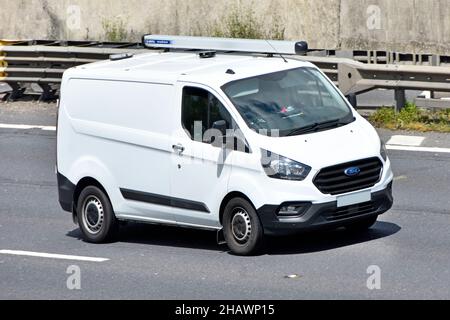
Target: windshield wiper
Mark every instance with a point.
(319, 126)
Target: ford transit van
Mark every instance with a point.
(249, 145)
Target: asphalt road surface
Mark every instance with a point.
(409, 245)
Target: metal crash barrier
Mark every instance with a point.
(385, 57)
(357, 78)
(43, 62)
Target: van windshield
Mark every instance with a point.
(289, 103)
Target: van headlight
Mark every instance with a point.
(383, 151)
(279, 167)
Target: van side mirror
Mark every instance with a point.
(220, 125)
(353, 100)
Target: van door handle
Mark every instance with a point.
(178, 148)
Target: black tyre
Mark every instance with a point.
(242, 228)
(95, 216)
(362, 225)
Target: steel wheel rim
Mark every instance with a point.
(93, 215)
(241, 227)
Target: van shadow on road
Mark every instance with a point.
(206, 240)
(329, 240)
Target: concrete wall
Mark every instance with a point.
(402, 25)
(421, 26)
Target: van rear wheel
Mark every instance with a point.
(242, 228)
(95, 216)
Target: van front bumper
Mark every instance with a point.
(323, 215)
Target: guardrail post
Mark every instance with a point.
(436, 60)
(48, 93)
(400, 99)
(346, 54)
(16, 92)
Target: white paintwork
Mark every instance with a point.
(105, 132)
(203, 176)
(410, 141)
(118, 121)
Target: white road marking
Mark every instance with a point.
(418, 149)
(425, 94)
(26, 127)
(410, 141)
(400, 178)
(52, 256)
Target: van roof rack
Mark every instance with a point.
(225, 44)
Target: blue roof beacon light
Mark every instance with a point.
(226, 44)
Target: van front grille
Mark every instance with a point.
(333, 180)
(352, 211)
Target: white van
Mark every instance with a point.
(247, 145)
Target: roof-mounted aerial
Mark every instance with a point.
(226, 44)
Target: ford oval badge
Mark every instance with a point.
(353, 171)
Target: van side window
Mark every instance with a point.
(200, 110)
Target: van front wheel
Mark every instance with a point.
(242, 228)
(95, 216)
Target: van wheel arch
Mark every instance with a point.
(228, 197)
(82, 184)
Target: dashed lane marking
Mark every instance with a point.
(410, 141)
(26, 127)
(418, 149)
(400, 178)
(52, 256)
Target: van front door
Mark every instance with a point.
(201, 166)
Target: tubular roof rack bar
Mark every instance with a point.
(225, 44)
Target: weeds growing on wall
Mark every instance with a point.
(243, 22)
(237, 22)
(115, 30)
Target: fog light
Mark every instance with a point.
(296, 209)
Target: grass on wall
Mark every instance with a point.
(245, 23)
(115, 30)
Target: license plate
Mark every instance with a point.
(354, 198)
